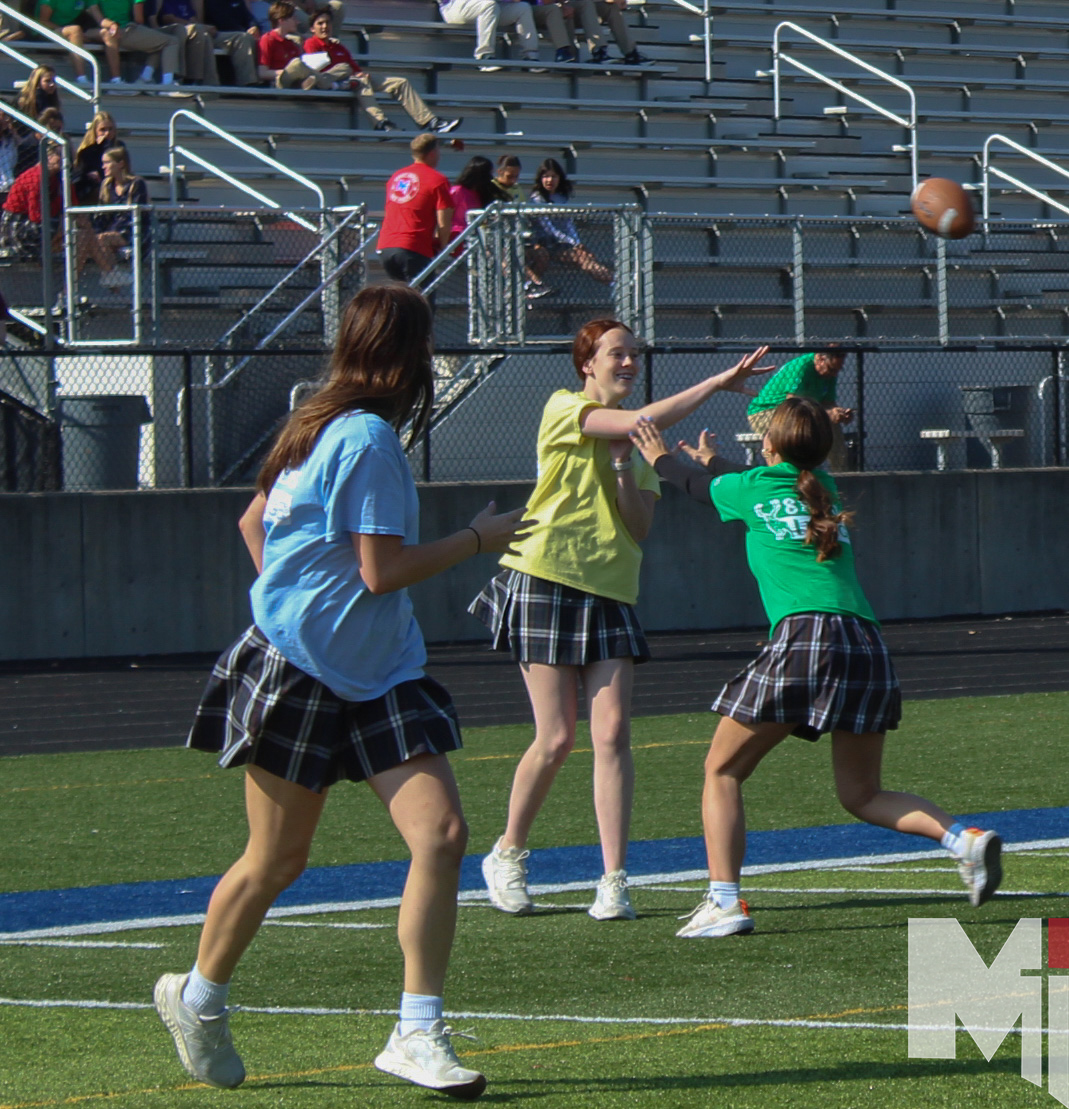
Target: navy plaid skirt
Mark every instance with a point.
(259, 708)
(821, 672)
(542, 621)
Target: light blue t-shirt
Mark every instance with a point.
(310, 600)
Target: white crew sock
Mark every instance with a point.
(419, 1011)
(205, 998)
(952, 839)
(724, 893)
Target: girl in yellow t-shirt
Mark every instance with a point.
(563, 601)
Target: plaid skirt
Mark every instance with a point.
(259, 708)
(822, 672)
(542, 621)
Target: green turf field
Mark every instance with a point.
(808, 1011)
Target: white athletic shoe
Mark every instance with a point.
(612, 901)
(980, 864)
(427, 1058)
(708, 919)
(203, 1043)
(505, 872)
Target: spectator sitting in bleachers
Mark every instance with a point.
(589, 14)
(280, 55)
(236, 31)
(506, 181)
(39, 92)
(122, 23)
(115, 230)
(201, 40)
(557, 239)
(9, 155)
(486, 14)
(69, 19)
(347, 73)
(549, 19)
(474, 188)
(101, 136)
(30, 142)
(196, 51)
(305, 11)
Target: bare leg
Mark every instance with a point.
(733, 756)
(581, 257)
(608, 689)
(73, 34)
(856, 760)
(554, 693)
(282, 820)
(422, 800)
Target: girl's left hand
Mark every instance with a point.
(648, 439)
(734, 380)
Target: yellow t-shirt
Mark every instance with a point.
(579, 538)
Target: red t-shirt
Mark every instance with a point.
(414, 197)
(277, 51)
(334, 50)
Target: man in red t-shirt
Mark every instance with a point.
(345, 70)
(418, 215)
(280, 55)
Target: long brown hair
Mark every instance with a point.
(801, 433)
(27, 101)
(382, 363)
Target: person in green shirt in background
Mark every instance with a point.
(813, 376)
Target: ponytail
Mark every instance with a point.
(801, 433)
(822, 531)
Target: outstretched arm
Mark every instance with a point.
(696, 483)
(616, 423)
(387, 565)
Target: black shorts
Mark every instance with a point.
(259, 708)
(822, 672)
(543, 621)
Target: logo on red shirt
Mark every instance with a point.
(404, 188)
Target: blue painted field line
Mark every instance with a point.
(35, 909)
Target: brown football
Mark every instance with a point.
(943, 206)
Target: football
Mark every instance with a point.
(943, 206)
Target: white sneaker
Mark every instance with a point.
(427, 1058)
(708, 919)
(980, 865)
(612, 901)
(204, 1045)
(505, 872)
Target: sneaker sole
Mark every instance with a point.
(625, 914)
(495, 898)
(159, 997)
(463, 1091)
(993, 869)
(728, 928)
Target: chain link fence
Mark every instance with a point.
(152, 418)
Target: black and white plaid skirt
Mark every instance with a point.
(822, 672)
(542, 621)
(259, 708)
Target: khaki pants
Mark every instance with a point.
(135, 36)
(297, 72)
(837, 459)
(400, 89)
(241, 47)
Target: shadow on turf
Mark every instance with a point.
(796, 1076)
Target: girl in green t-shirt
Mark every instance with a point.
(825, 668)
(563, 601)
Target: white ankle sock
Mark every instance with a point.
(724, 893)
(419, 1011)
(952, 839)
(205, 998)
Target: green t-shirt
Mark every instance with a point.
(64, 12)
(797, 378)
(122, 11)
(578, 538)
(786, 568)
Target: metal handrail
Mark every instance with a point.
(59, 40)
(777, 54)
(463, 240)
(266, 159)
(707, 33)
(990, 171)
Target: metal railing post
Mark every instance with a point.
(860, 391)
(798, 282)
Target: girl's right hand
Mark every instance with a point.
(498, 531)
(704, 452)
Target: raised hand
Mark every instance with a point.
(704, 452)
(648, 439)
(734, 380)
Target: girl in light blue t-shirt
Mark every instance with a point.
(329, 684)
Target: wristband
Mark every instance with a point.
(620, 467)
(478, 538)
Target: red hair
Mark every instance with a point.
(587, 339)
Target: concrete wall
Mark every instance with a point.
(96, 574)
